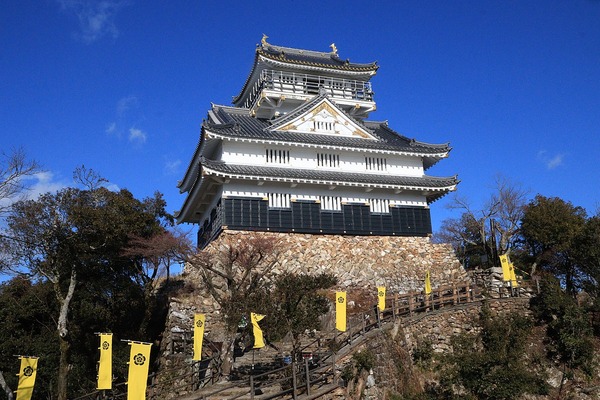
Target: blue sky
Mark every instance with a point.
(122, 86)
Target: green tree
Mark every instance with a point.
(73, 240)
(587, 254)
(568, 325)
(296, 303)
(550, 228)
(27, 328)
(493, 365)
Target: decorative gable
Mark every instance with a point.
(324, 118)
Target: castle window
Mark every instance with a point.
(324, 126)
(328, 160)
(279, 200)
(376, 163)
(331, 203)
(380, 206)
(276, 156)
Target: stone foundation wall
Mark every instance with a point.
(399, 263)
(360, 263)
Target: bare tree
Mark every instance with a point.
(155, 255)
(235, 269)
(14, 170)
(88, 178)
(491, 229)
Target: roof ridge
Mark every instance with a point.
(281, 50)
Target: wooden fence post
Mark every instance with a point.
(307, 376)
(333, 367)
(251, 387)
(294, 383)
(364, 323)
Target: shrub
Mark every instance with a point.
(492, 365)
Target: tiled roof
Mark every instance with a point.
(312, 58)
(237, 123)
(329, 177)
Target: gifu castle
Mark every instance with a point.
(297, 153)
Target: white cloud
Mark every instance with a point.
(45, 182)
(137, 135)
(172, 166)
(125, 104)
(555, 161)
(96, 18)
(113, 187)
(111, 128)
(550, 161)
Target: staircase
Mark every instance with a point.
(264, 374)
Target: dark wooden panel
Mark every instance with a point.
(306, 216)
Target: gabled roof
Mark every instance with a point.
(237, 124)
(320, 102)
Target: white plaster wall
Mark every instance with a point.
(313, 192)
(306, 158)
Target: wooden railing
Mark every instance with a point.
(310, 85)
(307, 375)
(303, 377)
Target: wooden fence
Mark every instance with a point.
(307, 373)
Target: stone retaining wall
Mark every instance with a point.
(360, 263)
(363, 261)
(437, 327)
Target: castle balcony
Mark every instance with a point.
(278, 92)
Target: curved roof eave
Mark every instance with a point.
(187, 208)
(193, 167)
(415, 153)
(245, 86)
(281, 63)
(329, 60)
(446, 186)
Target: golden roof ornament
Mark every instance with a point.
(333, 49)
(263, 41)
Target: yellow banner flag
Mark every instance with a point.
(427, 283)
(340, 311)
(505, 267)
(259, 341)
(105, 362)
(26, 375)
(139, 361)
(199, 321)
(381, 298)
(513, 276)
